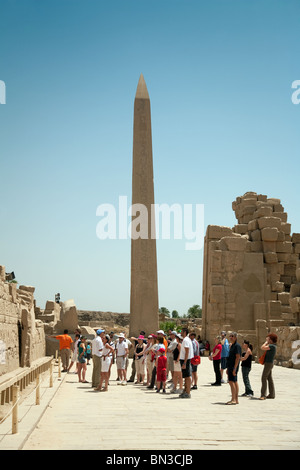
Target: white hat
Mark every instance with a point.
(121, 335)
(161, 331)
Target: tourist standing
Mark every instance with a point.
(224, 354)
(140, 365)
(186, 354)
(246, 362)
(194, 366)
(75, 353)
(233, 361)
(105, 364)
(172, 344)
(121, 352)
(161, 370)
(149, 354)
(65, 342)
(97, 346)
(216, 358)
(266, 379)
(177, 375)
(81, 366)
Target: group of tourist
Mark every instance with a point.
(154, 357)
(160, 354)
(228, 355)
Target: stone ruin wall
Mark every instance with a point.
(22, 337)
(251, 276)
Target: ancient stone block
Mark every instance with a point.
(270, 257)
(253, 225)
(295, 304)
(233, 243)
(269, 234)
(281, 215)
(216, 261)
(269, 222)
(255, 235)
(284, 247)
(269, 247)
(260, 311)
(274, 309)
(217, 232)
(265, 211)
(286, 228)
(297, 248)
(296, 238)
(241, 229)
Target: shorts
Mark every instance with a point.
(177, 366)
(187, 371)
(223, 363)
(231, 377)
(194, 367)
(170, 362)
(161, 375)
(106, 361)
(121, 362)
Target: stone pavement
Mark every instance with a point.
(72, 416)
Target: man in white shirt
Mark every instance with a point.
(186, 354)
(171, 347)
(97, 346)
(121, 355)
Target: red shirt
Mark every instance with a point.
(218, 356)
(162, 363)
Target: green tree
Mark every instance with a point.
(175, 314)
(195, 312)
(165, 311)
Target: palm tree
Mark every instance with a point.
(165, 311)
(195, 311)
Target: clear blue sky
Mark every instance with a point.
(219, 75)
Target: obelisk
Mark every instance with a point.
(144, 286)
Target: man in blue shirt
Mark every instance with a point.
(224, 353)
(233, 362)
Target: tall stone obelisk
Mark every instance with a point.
(144, 287)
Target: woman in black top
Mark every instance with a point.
(246, 361)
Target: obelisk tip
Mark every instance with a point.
(141, 91)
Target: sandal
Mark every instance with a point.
(231, 403)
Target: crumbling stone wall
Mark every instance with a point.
(251, 272)
(22, 338)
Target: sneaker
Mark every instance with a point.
(194, 387)
(174, 390)
(244, 395)
(164, 390)
(185, 395)
(124, 382)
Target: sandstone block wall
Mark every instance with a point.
(251, 272)
(22, 338)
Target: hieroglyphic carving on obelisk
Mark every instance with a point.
(144, 286)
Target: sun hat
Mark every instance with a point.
(121, 335)
(141, 337)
